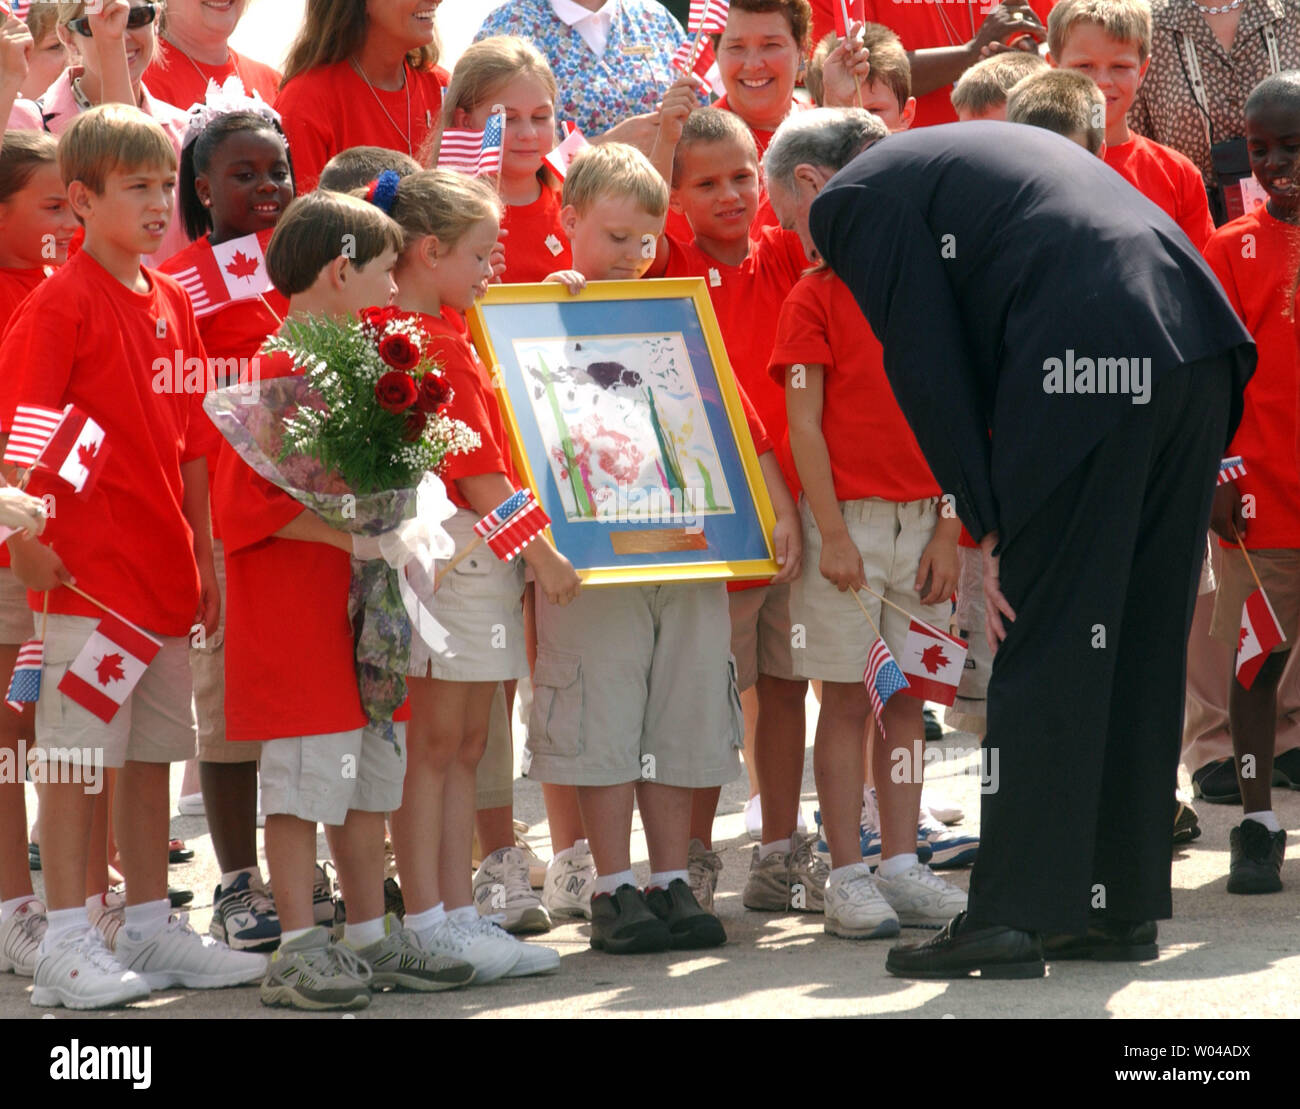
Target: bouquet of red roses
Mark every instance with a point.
(356, 434)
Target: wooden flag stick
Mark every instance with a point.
(695, 50)
(866, 613)
(460, 557)
(98, 604)
(857, 84)
(1249, 564)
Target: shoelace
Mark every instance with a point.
(259, 901)
(512, 873)
(927, 877)
(859, 886)
(488, 925)
(338, 957)
(804, 855)
(96, 952)
(706, 862)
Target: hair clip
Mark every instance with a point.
(382, 192)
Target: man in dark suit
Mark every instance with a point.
(1072, 373)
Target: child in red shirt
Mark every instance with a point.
(236, 181)
(451, 224)
(1255, 259)
(375, 83)
(1113, 47)
(90, 336)
(512, 73)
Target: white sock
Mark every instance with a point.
(841, 872)
(464, 914)
(1267, 818)
(143, 922)
(59, 922)
(364, 932)
(10, 908)
(895, 865)
(292, 934)
(424, 923)
(776, 847)
(663, 879)
(230, 878)
(609, 883)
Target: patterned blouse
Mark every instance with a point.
(598, 92)
(1165, 109)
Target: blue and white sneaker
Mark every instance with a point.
(244, 916)
(948, 847)
(869, 840)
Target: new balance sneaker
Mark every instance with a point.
(1256, 858)
(570, 878)
(703, 867)
(531, 958)
(920, 898)
(399, 962)
(949, 849)
(622, 924)
(501, 887)
(315, 973)
(79, 972)
(20, 938)
(108, 916)
(855, 910)
(244, 916)
(322, 897)
(536, 868)
(689, 924)
(787, 881)
(491, 954)
(179, 956)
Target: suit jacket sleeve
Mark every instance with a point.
(890, 259)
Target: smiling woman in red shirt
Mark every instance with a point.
(361, 73)
(194, 49)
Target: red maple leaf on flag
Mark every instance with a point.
(241, 265)
(1241, 638)
(109, 669)
(933, 658)
(86, 453)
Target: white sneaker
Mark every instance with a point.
(754, 819)
(501, 886)
(533, 958)
(942, 807)
(179, 956)
(108, 916)
(491, 956)
(79, 972)
(921, 898)
(570, 880)
(20, 938)
(854, 908)
(191, 805)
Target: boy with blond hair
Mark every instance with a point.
(981, 92)
(1110, 42)
(1064, 102)
(886, 93)
(140, 543)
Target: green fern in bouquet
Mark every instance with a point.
(377, 414)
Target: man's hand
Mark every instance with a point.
(37, 566)
(995, 604)
(849, 60)
(841, 563)
(1007, 20)
(787, 542)
(1226, 512)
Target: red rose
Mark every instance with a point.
(399, 352)
(376, 317)
(415, 421)
(396, 391)
(435, 393)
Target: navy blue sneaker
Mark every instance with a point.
(869, 840)
(244, 916)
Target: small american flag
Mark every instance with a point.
(31, 430)
(705, 59)
(513, 524)
(25, 685)
(1230, 469)
(473, 152)
(883, 679)
(707, 16)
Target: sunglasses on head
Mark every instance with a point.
(139, 17)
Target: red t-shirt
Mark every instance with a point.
(15, 285)
(290, 667)
(474, 401)
(932, 24)
(536, 244)
(84, 338)
(1259, 287)
(1167, 178)
(330, 108)
(873, 452)
(177, 78)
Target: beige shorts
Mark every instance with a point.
(321, 778)
(208, 667)
(16, 624)
(480, 603)
(154, 724)
(636, 683)
(495, 777)
(891, 537)
(1279, 574)
(760, 633)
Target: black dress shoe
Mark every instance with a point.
(1216, 782)
(179, 898)
(958, 950)
(1106, 941)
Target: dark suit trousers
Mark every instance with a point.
(1085, 701)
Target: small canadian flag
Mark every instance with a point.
(75, 452)
(1260, 633)
(109, 667)
(932, 661)
(574, 144)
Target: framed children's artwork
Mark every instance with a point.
(626, 422)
